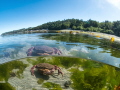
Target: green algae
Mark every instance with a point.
(34, 89)
(6, 86)
(85, 74)
(40, 81)
(93, 76)
(52, 86)
(6, 69)
(60, 61)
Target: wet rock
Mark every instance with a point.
(67, 84)
(12, 74)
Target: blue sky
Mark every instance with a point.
(17, 14)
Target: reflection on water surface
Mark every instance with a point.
(79, 45)
(97, 48)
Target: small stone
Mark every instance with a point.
(12, 74)
(67, 84)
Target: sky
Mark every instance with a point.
(18, 14)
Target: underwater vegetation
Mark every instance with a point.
(93, 76)
(34, 89)
(102, 78)
(6, 72)
(6, 86)
(6, 69)
(40, 81)
(85, 74)
(52, 86)
(60, 61)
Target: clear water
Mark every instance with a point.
(15, 47)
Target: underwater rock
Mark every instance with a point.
(12, 74)
(67, 84)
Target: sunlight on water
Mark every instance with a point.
(15, 47)
(80, 48)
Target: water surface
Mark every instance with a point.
(83, 46)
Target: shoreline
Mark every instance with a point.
(96, 34)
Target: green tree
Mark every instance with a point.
(74, 28)
(80, 27)
(116, 27)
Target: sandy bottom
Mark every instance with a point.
(29, 82)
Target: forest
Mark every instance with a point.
(76, 24)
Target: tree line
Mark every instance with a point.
(76, 24)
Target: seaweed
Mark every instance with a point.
(60, 61)
(7, 68)
(6, 86)
(52, 86)
(94, 78)
(40, 81)
(34, 89)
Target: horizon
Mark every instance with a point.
(15, 15)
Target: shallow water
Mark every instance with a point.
(16, 74)
(83, 46)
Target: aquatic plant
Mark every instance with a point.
(40, 81)
(6, 69)
(34, 89)
(52, 86)
(91, 64)
(60, 61)
(6, 86)
(67, 62)
(94, 78)
(37, 61)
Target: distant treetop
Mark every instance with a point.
(76, 24)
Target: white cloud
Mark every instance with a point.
(115, 3)
(104, 3)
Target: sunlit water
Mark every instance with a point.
(15, 47)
